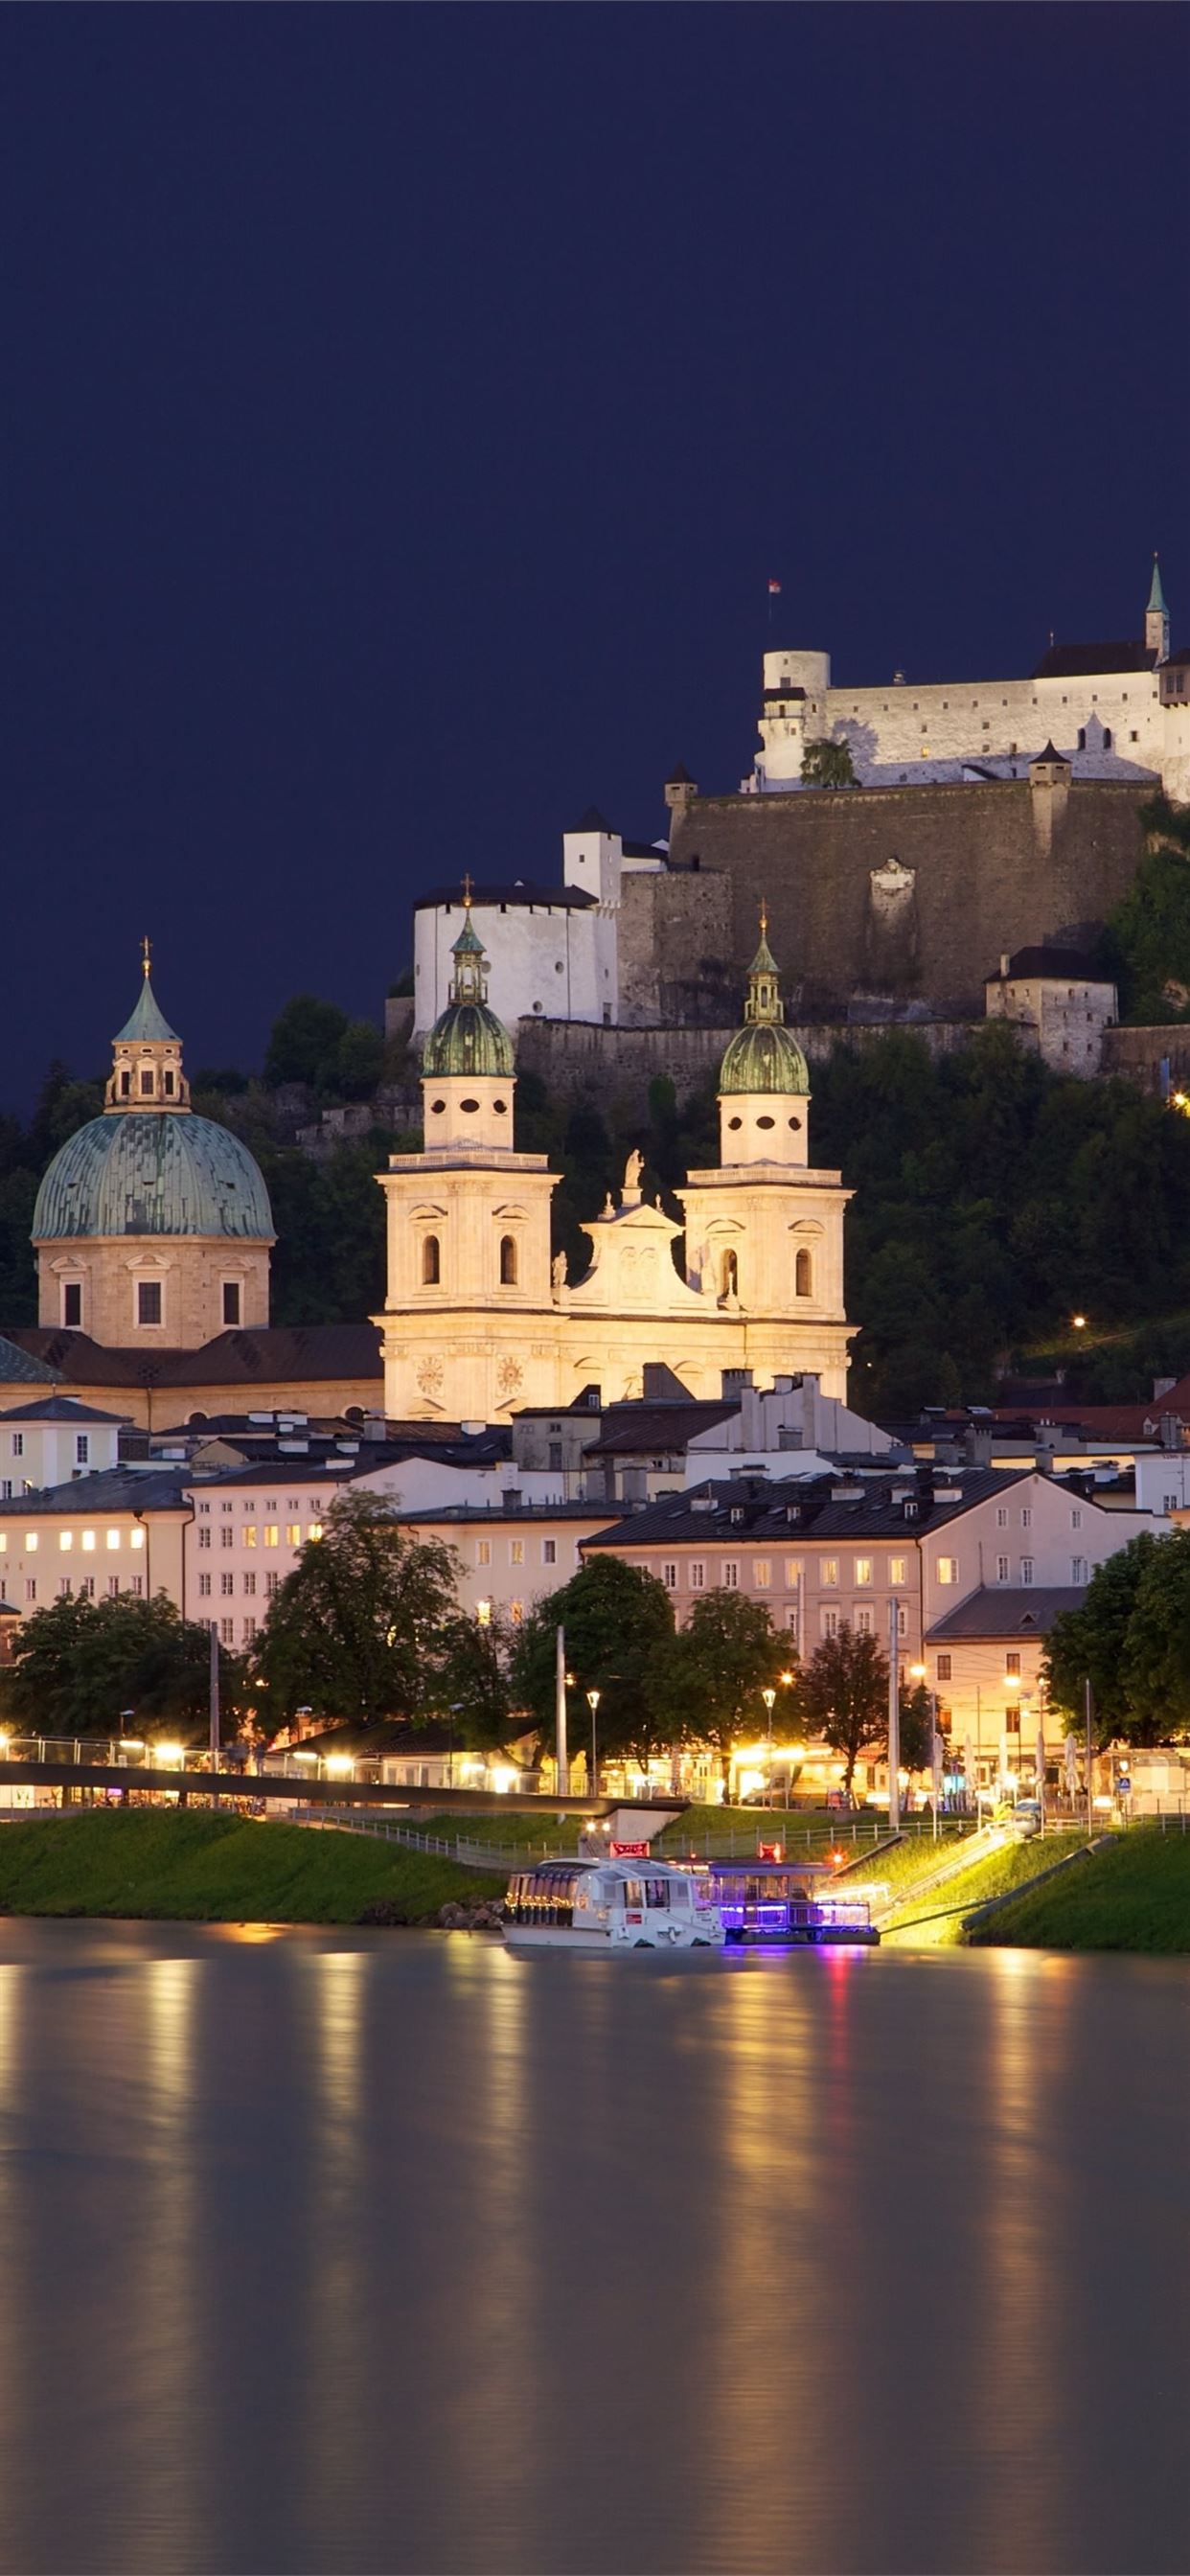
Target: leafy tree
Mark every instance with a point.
(842, 1694)
(916, 1728)
(78, 1664)
(828, 764)
(473, 1680)
(304, 1041)
(357, 1064)
(354, 1631)
(619, 1624)
(711, 1680)
(1096, 1642)
(1148, 936)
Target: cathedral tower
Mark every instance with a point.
(1157, 617)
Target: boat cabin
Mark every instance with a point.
(785, 1902)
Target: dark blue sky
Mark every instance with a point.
(406, 407)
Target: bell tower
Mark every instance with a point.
(1157, 617)
(146, 1057)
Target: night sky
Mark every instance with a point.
(405, 409)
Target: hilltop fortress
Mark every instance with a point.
(987, 818)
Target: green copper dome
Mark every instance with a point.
(468, 1038)
(762, 1055)
(160, 1172)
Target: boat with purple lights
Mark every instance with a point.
(770, 1902)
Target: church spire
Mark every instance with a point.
(147, 1055)
(1157, 617)
(764, 1003)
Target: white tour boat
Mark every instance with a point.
(609, 1904)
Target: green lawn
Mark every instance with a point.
(936, 1920)
(1134, 1896)
(188, 1866)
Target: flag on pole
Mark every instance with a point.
(774, 588)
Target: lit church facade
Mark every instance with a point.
(480, 1321)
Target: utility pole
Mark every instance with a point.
(215, 1705)
(1089, 1706)
(563, 1762)
(894, 1715)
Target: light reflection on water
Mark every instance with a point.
(373, 2252)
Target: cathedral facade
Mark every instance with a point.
(480, 1321)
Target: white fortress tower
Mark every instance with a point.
(1105, 707)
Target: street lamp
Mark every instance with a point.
(769, 1698)
(593, 1699)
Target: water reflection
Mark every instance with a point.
(338, 2253)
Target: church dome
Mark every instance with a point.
(762, 1055)
(467, 1037)
(153, 1172)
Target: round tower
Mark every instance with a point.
(467, 1078)
(764, 1081)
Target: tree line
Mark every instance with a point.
(367, 1627)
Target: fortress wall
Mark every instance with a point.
(994, 868)
(619, 1064)
(1140, 1054)
(675, 947)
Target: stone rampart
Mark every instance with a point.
(616, 1066)
(1149, 1057)
(916, 892)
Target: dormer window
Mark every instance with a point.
(125, 1085)
(167, 1083)
(146, 1082)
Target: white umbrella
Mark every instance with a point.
(969, 1768)
(1071, 1760)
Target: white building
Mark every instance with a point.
(1114, 710)
(552, 951)
(53, 1441)
(1057, 1004)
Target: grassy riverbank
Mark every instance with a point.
(193, 1867)
(1133, 1896)
(934, 1919)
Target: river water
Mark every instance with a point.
(366, 2253)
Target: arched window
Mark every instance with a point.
(431, 1266)
(507, 1261)
(801, 1275)
(730, 1275)
(1107, 737)
(1082, 737)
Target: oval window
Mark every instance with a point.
(436, 1108)
(469, 1107)
(501, 1108)
(766, 1122)
(795, 1122)
(735, 1122)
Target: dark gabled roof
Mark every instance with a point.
(1084, 661)
(763, 1507)
(680, 777)
(592, 821)
(266, 1354)
(524, 893)
(1006, 1611)
(59, 1408)
(643, 849)
(114, 1489)
(630, 1428)
(22, 1368)
(514, 1512)
(1060, 963)
(1180, 658)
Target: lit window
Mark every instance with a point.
(65, 1539)
(293, 1533)
(483, 1612)
(762, 1573)
(828, 1572)
(863, 1571)
(30, 1542)
(89, 1542)
(313, 1529)
(112, 1538)
(248, 1533)
(270, 1534)
(3, 1542)
(483, 1551)
(137, 1538)
(516, 1612)
(948, 1569)
(516, 1551)
(898, 1569)
(793, 1570)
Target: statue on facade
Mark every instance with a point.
(558, 1270)
(632, 1171)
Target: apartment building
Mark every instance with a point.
(509, 1558)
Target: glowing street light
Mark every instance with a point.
(593, 1700)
